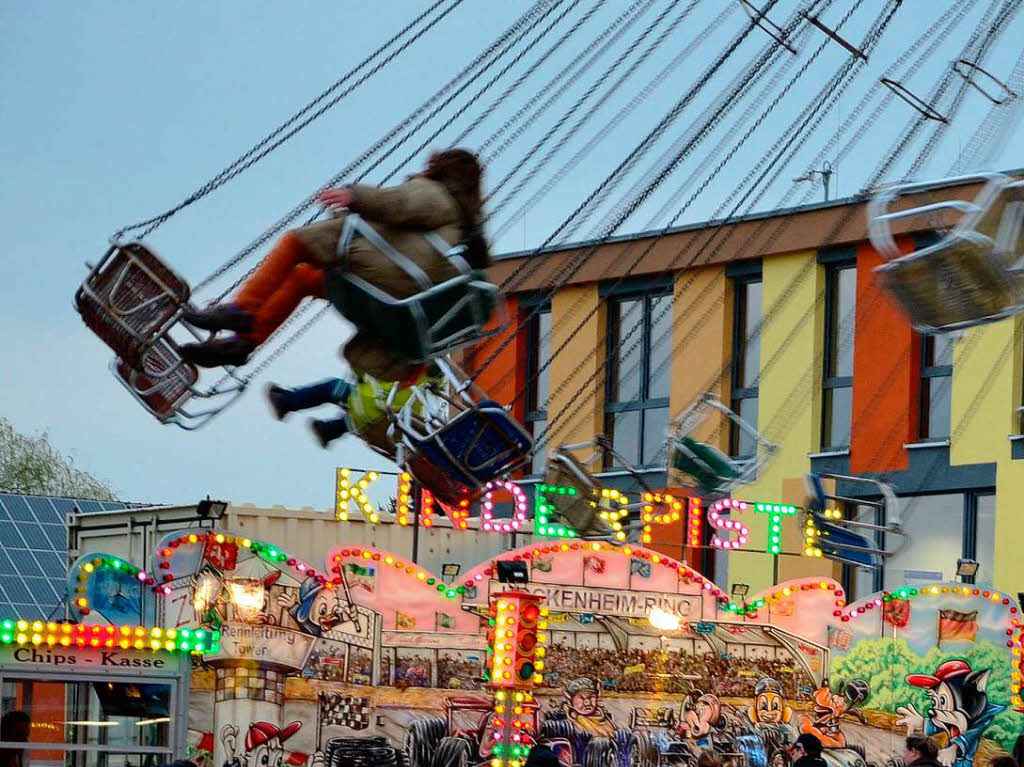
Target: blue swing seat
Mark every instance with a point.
(478, 445)
(840, 543)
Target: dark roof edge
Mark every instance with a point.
(840, 202)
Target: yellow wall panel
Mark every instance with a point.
(584, 418)
(789, 408)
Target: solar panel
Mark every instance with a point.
(33, 552)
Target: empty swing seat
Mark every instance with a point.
(164, 384)
(970, 276)
(837, 542)
(953, 284)
(578, 507)
(476, 446)
(130, 299)
(711, 469)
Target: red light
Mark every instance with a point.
(530, 613)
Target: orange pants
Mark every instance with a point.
(278, 285)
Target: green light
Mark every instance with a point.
(451, 593)
(8, 624)
(6, 638)
(185, 632)
(199, 633)
(183, 645)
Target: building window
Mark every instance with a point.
(538, 355)
(638, 372)
(936, 387)
(943, 529)
(840, 305)
(746, 362)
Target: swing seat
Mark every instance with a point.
(969, 277)
(423, 326)
(441, 484)
(705, 466)
(165, 383)
(850, 539)
(837, 542)
(131, 299)
(578, 506)
(955, 284)
(710, 468)
(476, 446)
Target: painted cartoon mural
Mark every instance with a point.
(372, 654)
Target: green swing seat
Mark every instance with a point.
(711, 468)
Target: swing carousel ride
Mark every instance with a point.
(782, 70)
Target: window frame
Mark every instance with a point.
(645, 402)
(834, 263)
(532, 414)
(741, 282)
(928, 374)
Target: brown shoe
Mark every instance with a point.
(220, 317)
(218, 352)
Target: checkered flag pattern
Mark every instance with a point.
(347, 710)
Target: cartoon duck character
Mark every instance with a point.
(959, 707)
(317, 609)
(703, 716)
(582, 704)
(830, 707)
(769, 706)
(264, 747)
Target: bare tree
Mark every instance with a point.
(33, 465)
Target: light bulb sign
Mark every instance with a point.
(727, 518)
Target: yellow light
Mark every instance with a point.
(219, 538)
(246, 542)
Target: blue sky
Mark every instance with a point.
(114, 111)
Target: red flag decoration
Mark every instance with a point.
(223, 556)
(594, 564)
(957, 626)
(897, 612)
(839, 638)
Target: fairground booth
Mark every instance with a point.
(615, 655)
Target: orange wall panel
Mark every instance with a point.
(503, 378)
(886, 373)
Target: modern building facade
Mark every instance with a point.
(781, 316)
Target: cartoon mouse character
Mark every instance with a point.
(318, 608)
(959, 707)
(830, 707)
(769, 706)
(701, 717)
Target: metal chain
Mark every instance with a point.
(574, 108)
(609, 125)
(739, 87)
(626, 164)
(577, 25)
(268, 143)
(795, 129)
(580, 65)
(308, 202)
(487, 86)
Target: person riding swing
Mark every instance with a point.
(444, 200)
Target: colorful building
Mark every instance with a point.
(779, 314)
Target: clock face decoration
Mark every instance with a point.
(107, 587)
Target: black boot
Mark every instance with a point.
(218, 352)
(328, 431)
(276, 396)
(220, 317)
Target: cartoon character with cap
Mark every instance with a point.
(264, 747)
(769, 706)
(959, 707)
(582, 704)
(318, 608)
(826, 718)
